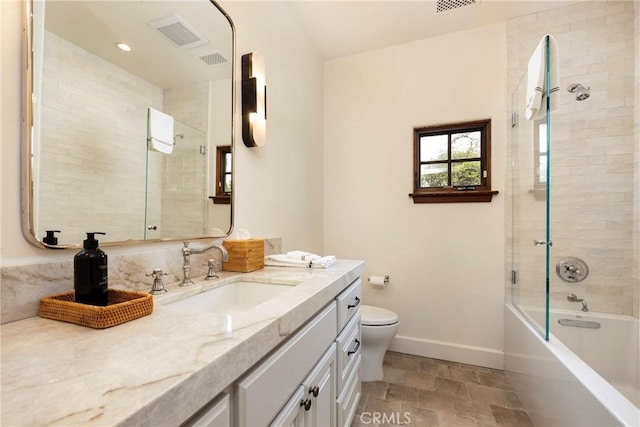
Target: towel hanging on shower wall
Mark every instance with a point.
(536, 79)
(159, 131)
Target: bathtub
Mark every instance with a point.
(557, 387)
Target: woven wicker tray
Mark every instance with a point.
(123, 306)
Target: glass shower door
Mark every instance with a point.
(528, 251)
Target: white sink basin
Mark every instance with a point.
(237, 296)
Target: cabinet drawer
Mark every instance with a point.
(348, 342)
(267, 387)
(348, 401)
(348, 303)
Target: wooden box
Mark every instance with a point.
(244, 255)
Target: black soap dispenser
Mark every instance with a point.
(90, 279)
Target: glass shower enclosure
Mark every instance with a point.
(573, 208)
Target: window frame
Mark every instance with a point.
(222, 197)
(454, 194)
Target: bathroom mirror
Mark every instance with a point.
(95, 70)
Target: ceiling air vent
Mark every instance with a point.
(213, 58)
(178, 31)
(444, 5)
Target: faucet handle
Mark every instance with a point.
(158, 286)
(211, 273)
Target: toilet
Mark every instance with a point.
(378, 327)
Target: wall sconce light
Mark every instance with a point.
(254, 100)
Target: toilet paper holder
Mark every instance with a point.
(379, 280)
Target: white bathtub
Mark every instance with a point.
(552, 379)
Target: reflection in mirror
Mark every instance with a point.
(91, 164)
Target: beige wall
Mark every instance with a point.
(266, 178)
(445, 260)
(279, 186)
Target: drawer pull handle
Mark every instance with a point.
(306, 404)
(355, 350)
(314, 390)
(355, 304)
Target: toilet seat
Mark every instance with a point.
(376, 316)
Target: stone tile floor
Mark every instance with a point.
(424, 392)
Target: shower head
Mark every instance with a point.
(581, 92)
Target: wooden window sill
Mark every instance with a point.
(221, 200)
(453, 197)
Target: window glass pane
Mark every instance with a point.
(227, 183)
(542, 138)
(465, 145)
(433, 147)
(542, 168)
(434, 175)
(227, 162)
(466, 173)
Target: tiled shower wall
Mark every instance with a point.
(594, 155)
(184, 177)
(85, 155)
(636, 193)
(89, 153)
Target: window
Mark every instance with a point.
(540, 156)
(223, 175)
(452, 163)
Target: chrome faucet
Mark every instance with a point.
(186, 266)
(574, 298)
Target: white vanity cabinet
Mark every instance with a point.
(348, 348)
(313, 403)
(313, 378)
(270, 385)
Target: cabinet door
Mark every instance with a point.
(320, 389)
(292, 415)
(216, 413)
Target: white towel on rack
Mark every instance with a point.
(282, 260)
(159, 131)
(536, 79)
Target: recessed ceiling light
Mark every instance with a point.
(124, 46)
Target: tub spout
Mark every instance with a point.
(574, 298)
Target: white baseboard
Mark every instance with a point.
(479, 356)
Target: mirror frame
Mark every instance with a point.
(26, 178)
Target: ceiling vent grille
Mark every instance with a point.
(444, 5)
(178, 31)
(213, 58)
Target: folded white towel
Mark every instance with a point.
(282, 260)
(302, 255)
(536, 79)
(159, 131)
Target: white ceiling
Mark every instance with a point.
(341, 28)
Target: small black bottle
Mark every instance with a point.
(90, 279)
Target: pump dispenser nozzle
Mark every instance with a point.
(50, 238)
(91, 242)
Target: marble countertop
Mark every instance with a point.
(156, 370)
